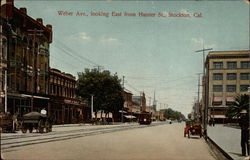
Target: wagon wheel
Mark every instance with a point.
(40, 126)
(47, 127)
(30, 129)
(23, 128)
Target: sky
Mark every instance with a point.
(153, 53)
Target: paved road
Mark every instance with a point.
(159, 141)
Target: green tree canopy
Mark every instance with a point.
(172, 114)
(106, 88)
(241, 103)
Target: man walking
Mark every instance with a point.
(244, 125)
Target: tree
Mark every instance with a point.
(106, 88)
(172, 114)
(241, 103)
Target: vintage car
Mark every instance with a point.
(35, 120)
(192, 128)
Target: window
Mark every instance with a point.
(218, 65)
(245, 76)
(217, 76)
(244, 88)
(217, 88)
(231, 76)
(231, 65)
(217, 103)
(229, 103)
(245, 64)
(231, 88)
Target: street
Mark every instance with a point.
(158, 141)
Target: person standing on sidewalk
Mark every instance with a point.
(244, 125)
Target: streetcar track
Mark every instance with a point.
(36, 134)
(83, 133)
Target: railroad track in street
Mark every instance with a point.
(10, 142)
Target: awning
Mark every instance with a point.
(129, 116)
(110, 115)
(217, 99)
(218, 116)
(39, 97)
(230, 99)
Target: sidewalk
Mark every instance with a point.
(227, 138)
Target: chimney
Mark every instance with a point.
(10, 2)
(23, 10)
(7, 12)
(49, 27)
(40, 20)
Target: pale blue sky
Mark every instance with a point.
(153, 53)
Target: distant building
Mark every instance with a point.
(133, 109)
(227, 74)
(63, 103)
(24, 60)
(141, 100)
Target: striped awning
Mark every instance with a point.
(217, 99)
(218, 116)
(230, 99)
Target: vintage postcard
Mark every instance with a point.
(125, 80)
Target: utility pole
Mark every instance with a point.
(154, 102)
(204, 105)
(99, 68)
(123, 91)
(149, 102)
(92, 106)
(198, 99)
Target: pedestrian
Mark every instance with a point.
(213, 122)
(14, 118)
(43, 111)
(244, 125)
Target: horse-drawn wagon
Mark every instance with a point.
(35, 120)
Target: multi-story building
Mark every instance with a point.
(141, 100)
(25, 51)
(63, 103)
(132, 108)
(227, 75)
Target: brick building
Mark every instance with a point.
(63, 104)
(24, 60)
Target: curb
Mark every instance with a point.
(219, 152)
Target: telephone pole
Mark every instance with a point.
(198, 97)
(204, 106)
(123, 91)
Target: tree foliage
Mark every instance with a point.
(105, 88)
(241, 103)
(172, 114)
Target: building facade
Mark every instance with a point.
(25, 52)
(63, 105)
(227, 75)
